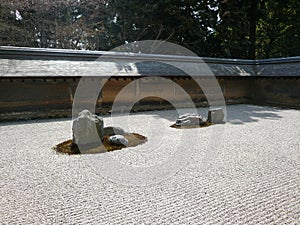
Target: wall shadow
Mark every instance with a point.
(240, 114)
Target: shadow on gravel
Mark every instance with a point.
(240, 114)
(236, 114)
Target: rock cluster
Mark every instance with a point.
(189, 119)
(89, 131)
(215, 116)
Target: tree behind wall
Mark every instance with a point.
(279, 29)
(187, 23)
(252, 29)
(216, 28)
(52, 23)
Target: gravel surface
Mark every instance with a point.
(246, 171)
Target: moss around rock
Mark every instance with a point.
(204, 124)
(68, 147)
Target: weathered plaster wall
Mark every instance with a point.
(35, 84)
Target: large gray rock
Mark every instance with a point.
(189, 120)
(108, 131)
(118, 140)
(216, 116)
(87, 129)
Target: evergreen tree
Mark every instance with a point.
(246, 29)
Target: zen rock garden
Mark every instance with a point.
(91, 136)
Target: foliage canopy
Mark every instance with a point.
(246, 29)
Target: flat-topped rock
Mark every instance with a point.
(216, 116)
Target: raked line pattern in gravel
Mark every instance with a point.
(253, 179)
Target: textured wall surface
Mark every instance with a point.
(42, 82)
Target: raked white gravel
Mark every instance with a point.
(177, 177)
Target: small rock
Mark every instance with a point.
(216, 116)
(87, 129)
(108, 131)
(118, 140)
